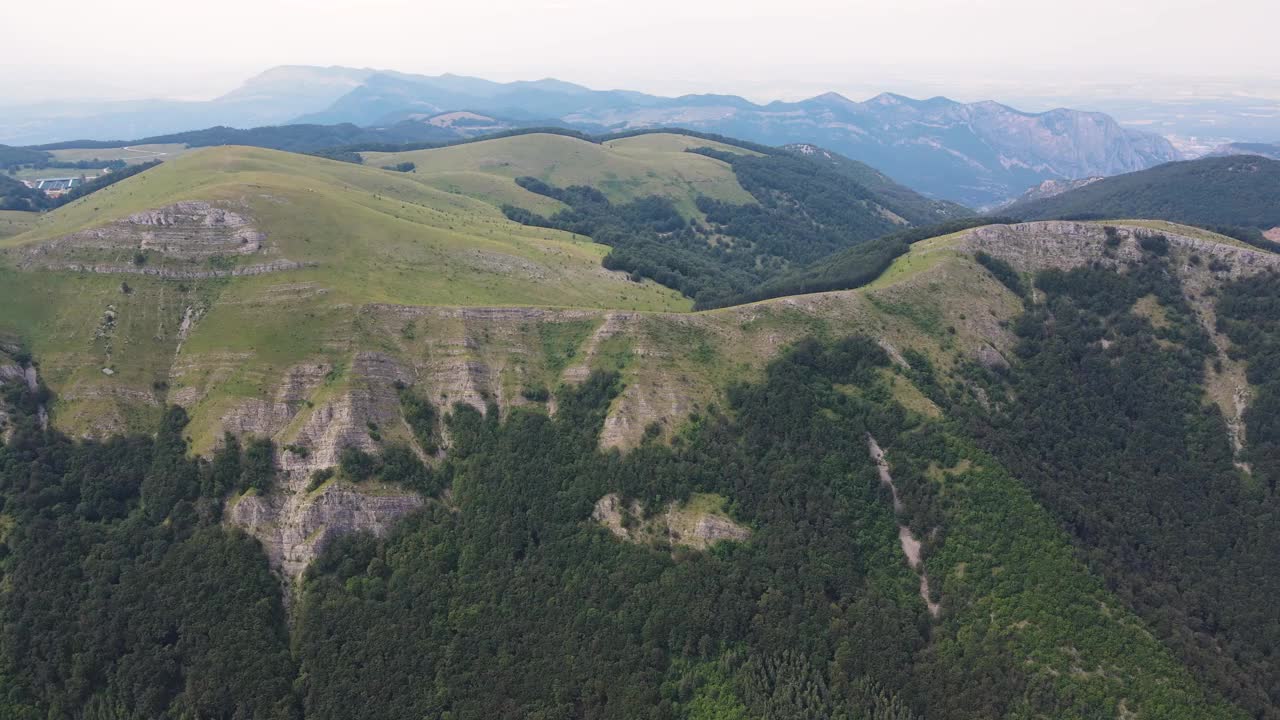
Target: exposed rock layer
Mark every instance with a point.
(677, 524)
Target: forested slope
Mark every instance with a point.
(506, 600)
(1239, 190)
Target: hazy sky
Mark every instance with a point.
(764, 50)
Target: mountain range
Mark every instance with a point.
(978, 154)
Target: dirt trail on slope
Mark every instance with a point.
(910, 544)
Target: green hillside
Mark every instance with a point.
(327, 440)
(898, 199)
(624, 170)
(15, 222)
(366, 233)
(1235, 191)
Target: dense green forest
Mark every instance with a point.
(12, 157)
(1249, 314)
(124, 597)
(649, 239)
(1104, 417)
(1242, 191)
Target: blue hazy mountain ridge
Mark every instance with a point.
(1267, 150)
(271, 98)
(976, 154)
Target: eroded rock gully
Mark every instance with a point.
(906, 539)
(294, 524)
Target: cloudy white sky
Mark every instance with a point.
(761, 49)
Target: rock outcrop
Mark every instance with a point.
(1064, 245)
(187, 240)
(27, 376)
(295, 526)
(699, 523)
(293, 523)
(172, 273)
(190, 230)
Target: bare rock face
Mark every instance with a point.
(344, 421)
(9, 373)
(16, 374)
(991, 358)
(186, 230)
(642, 404)
(178, 241)
(698, 524)
(295, 526)
(12, 372)
(1031, 247)
(711, 529)
(119, 268)
(1064, 245)
(260, 417)
(1052, 188)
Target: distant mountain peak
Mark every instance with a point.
(889, 99)
(831, 98)
(301, 81)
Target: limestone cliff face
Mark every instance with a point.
(186, 230)
(11, 372)
(1050, 188)
(262, 417)
(172, 273)
(1064, 245)
(295, 526)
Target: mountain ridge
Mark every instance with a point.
(1231, 190)
(988, 150)
(976, 154)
